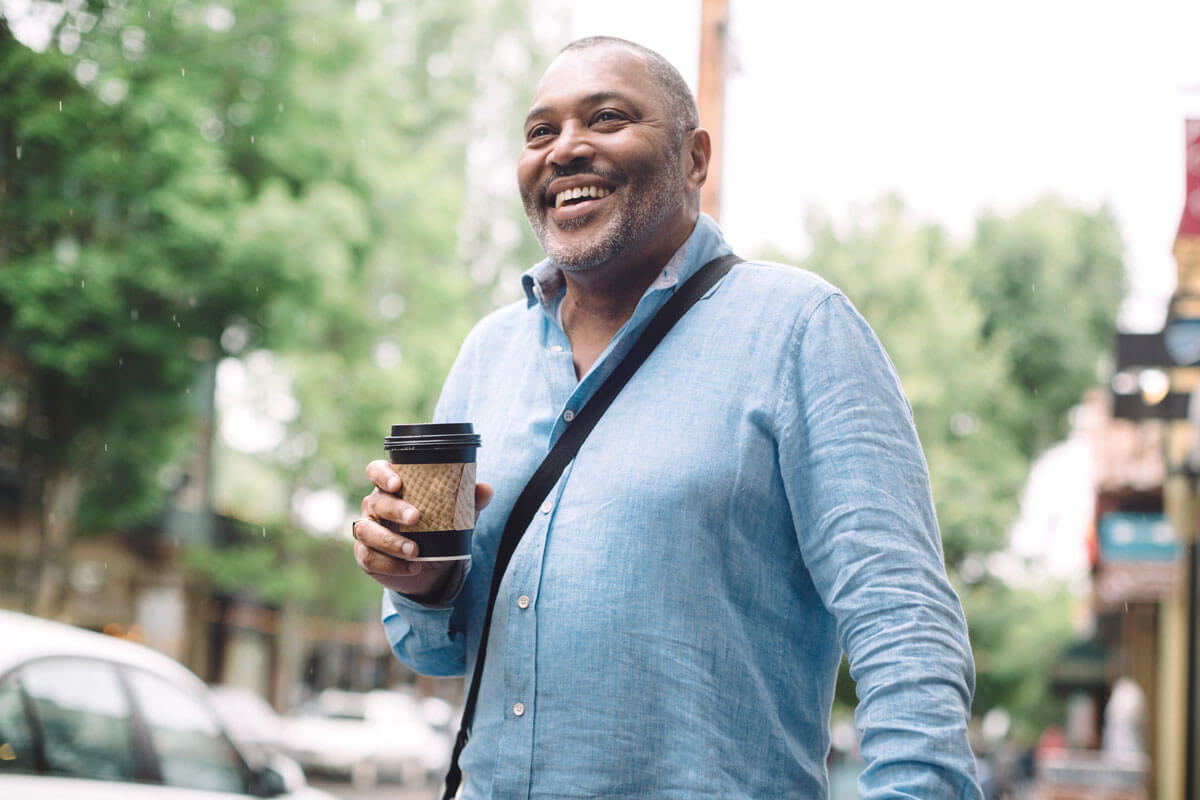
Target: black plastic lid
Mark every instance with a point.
(455, 440)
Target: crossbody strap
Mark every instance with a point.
(551, 468)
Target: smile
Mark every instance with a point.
(580, 193)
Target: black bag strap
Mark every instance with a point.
(552, 466)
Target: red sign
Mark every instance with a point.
(1190, 224)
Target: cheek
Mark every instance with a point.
(527, 174)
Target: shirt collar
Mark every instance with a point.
(544, 283)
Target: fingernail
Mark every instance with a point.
(393, 483)
(407, 548)
(409, 516)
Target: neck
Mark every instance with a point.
(597, 302)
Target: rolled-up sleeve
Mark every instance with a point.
(858, 487)
(420, 636)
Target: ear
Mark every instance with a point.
(696, 152)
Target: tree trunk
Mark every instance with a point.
(290, 642)
(60, 502)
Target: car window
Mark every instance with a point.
(192, 751)
(84, 718)
(16, 738)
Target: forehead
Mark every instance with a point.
(597, 71)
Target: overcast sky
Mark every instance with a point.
(955, 105)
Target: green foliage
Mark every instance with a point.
(1049, 280)
(182, 183)
(278, 566)
(118, 240)
(1016, 635)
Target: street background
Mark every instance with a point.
(239, 239)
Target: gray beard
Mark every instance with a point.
(656, 196)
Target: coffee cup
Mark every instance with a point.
(436, 463)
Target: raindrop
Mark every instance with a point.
(18, 152)
(60, 105)
(82, 284)
(121, 362)
(106, 447)
(252, 138)
(133, 314)
(182, 72)
(1127, 608)
(281, 106)
(264, 531)
(1032, 287)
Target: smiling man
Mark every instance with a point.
(752, 504)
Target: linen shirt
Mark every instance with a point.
(754, 502)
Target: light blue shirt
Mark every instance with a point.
(754, 502)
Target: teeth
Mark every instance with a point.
(578, 192)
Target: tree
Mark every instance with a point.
(1049, 280)
(187, 182)
(121, 263)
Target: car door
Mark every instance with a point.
(79, 717)
(71, 717)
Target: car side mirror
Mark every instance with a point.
(269, 782)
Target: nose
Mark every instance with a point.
(571, 146)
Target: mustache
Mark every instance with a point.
(612, 176)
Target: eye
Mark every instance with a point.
(537, 132)
(608, 115)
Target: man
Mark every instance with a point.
(752, 503)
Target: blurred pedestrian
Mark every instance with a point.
(753, 502)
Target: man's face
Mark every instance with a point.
(598, 128)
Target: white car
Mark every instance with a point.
(91, 717)
(367, 737)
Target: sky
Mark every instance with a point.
(957, 106)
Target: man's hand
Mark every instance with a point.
(387, 556)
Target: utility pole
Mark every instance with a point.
(714, 45)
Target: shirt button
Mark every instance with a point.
(568, 415)
(523, 601)
(556, 348)
(546, 506)
(519, 710)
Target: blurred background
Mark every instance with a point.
(239, 239)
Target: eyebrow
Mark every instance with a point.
(595, 98)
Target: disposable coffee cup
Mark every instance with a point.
(436, 463)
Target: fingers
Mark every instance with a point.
(375, 537)
(384, 501)
(483, 496)
(380, 473)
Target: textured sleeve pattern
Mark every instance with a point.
(858, 488)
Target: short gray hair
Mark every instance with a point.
(677, 96)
